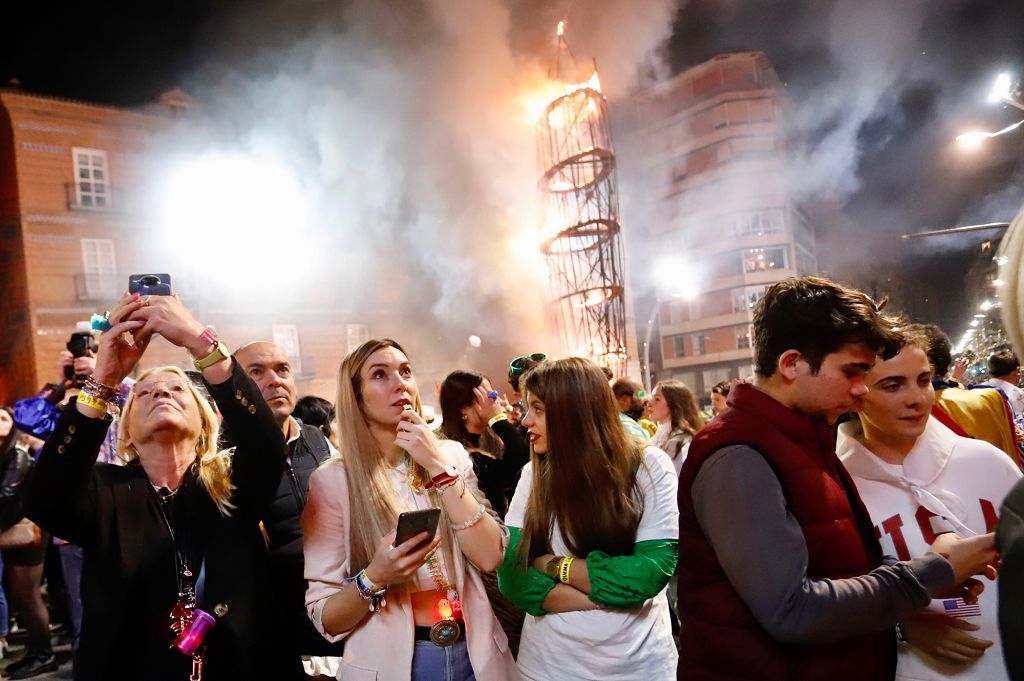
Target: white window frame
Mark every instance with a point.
(91, 191)
(286, 337)
(356, 335)
(99, 268)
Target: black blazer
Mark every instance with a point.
(129, 576)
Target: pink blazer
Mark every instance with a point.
(381, 646)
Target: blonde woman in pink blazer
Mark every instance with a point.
(418, 610)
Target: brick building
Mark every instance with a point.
(713, 159)
(75, 179)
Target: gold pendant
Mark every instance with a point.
(445, 633)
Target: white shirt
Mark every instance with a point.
(960, 478)
(605, 644)
(1014, 395)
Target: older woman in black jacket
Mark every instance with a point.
(176, 528)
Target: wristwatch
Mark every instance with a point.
(220, 351)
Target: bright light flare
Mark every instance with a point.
(975, 322)
(1002, 89)
(974, 139)
(677, 278)
(986, 305)
(234, 210)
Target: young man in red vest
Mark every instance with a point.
(781, 575)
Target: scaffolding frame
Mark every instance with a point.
(581, 232)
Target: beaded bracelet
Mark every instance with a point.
(459, 527)
(373, 595)
(97, 389)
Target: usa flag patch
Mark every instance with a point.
(956, 607)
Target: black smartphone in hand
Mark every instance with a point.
(412, 523)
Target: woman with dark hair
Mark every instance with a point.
(417, 610)
(477, 421)
(594, 528)
(317, 412)
(674, 408)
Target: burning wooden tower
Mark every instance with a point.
(582, 240)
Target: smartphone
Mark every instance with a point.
(412, 523)
(150, 284)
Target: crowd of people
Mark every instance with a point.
(835, 515)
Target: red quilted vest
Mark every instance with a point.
(721, 639)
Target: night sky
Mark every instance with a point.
(900, 174)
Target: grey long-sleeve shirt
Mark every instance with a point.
(740, 507)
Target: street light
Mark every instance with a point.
(975, 138)
(679, 279)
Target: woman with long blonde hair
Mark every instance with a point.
(594, 532)
(175, 531)
(417, 610)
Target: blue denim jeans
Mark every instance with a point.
(434, 663)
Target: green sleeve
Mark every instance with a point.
(526, 588)
(629, 581)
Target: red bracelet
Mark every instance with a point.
(440, 480)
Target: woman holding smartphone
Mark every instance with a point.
(594, 532)
(366, 590)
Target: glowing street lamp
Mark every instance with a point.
(975, 138)
(674, 278)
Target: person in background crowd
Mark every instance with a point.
(674, 408)
(22, 567)
(177, 527)
(719, 397)
(499, 450)
(1010, 542)
(628, 393)
(519, 366)
(1004, 372)
(319, 413)
(762, 486)
(268, 366)
(15, 462)
(479, 422)
(918, 478)
(981, 413)
(417, 610)
(594, 526)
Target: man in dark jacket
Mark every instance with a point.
(781, 575)
(267, 364)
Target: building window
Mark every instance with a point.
(744, 337)
(99, 267)
(759, 223)
(697, 343)
(356, 335)
(678, 346)
(286, 337)
(715, 375)
(764, 259)
(746, 298)
(92, 184)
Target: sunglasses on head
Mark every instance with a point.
(522, 363)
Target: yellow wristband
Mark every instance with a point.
(563, 571)
(94, 402)
(497, 417)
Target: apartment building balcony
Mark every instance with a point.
(707, 358)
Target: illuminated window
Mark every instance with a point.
(92, 185)
(746, 298)
(744, 337)
(764, 259)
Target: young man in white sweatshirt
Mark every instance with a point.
(918, 479)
